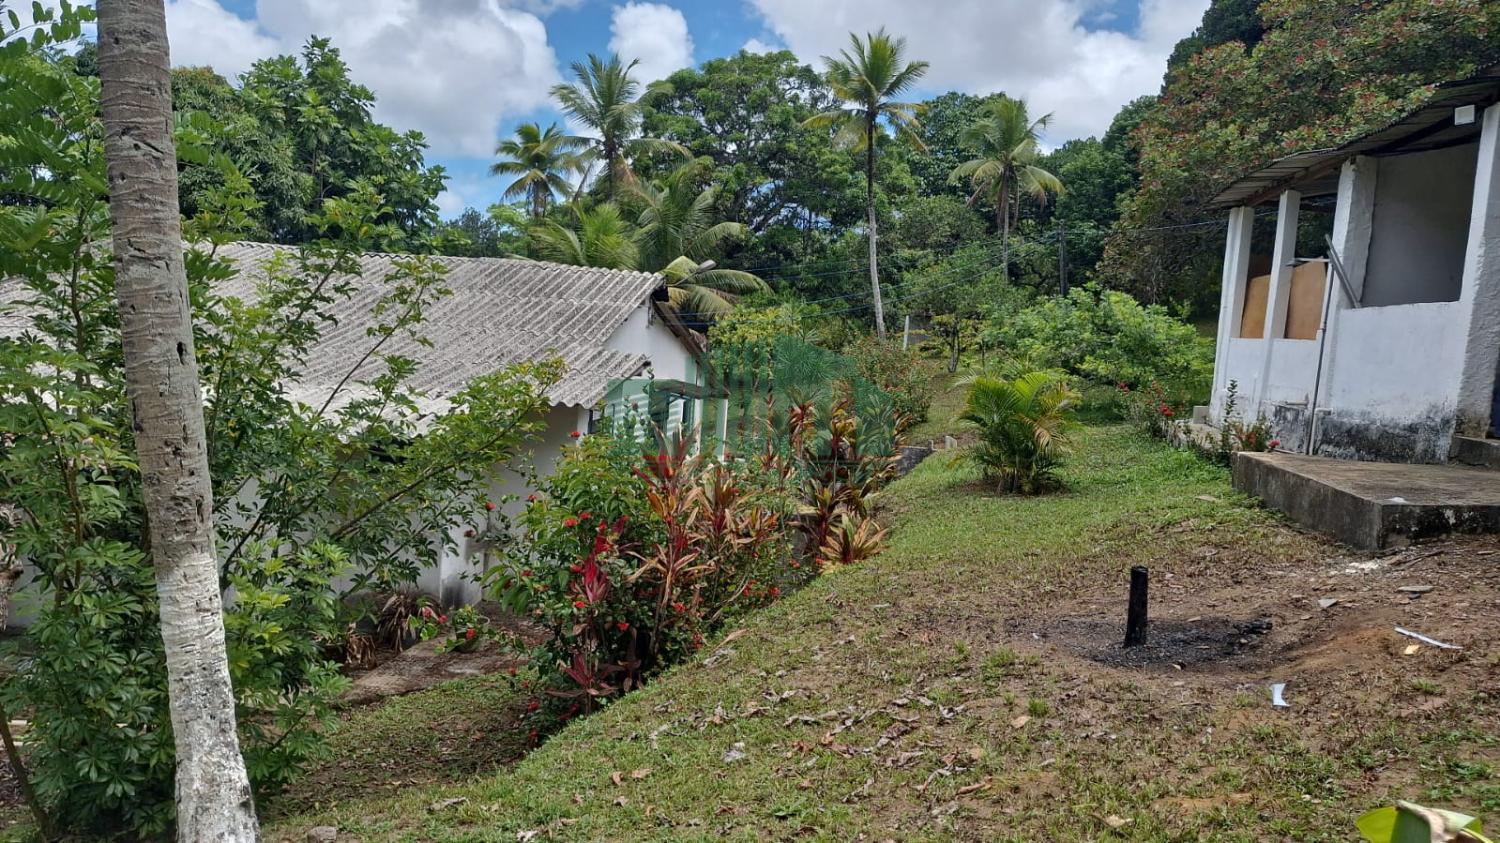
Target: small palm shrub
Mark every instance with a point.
(1023, 425)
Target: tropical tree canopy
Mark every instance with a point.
(541, 162)
(606, 98)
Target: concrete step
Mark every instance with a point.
(1373, 505)
(1472, 450)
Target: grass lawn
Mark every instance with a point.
(961, 686)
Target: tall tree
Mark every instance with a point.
(541, 161)
(161, 369)
(868, 78)
(606, 98)
(1006, 145)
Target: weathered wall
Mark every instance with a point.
(1420, 226)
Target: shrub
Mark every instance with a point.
(628, 561)
(1023, 427)
(904, 375)
(1107, 337)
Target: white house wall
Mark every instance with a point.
(1395, 379)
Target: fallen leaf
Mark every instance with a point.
(805, 784)
(1411, 649)
(446, 803)
(1116, 822)
(616, 777)
(1020, 722)
(640, 774)
(733, 635)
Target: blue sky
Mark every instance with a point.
(465, 72)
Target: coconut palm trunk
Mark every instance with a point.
(161, 374)
(874, 230)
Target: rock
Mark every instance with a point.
(1327, 602)
(1414, 589)
(735, 753)
(322, 834)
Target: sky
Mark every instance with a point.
(466, 72)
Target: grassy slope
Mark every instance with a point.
(885, 699)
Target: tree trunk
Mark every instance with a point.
(874, 233)
(161, 375)
(1002, 207)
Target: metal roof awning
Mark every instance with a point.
(1429, 126)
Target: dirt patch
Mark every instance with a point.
(1175, 643)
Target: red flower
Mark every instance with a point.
(533, 706)
(427, 612)
(531, 498)
(579, 604)
(1275, 443)
(575, 434)
(678, 607)
(570, 521)
(442, 618)
(774, 592)
(585, 515)
(469, 634)
(526, 573)
(490, 505)
(469, 533)
(622, 625)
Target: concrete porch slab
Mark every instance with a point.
(1373, 505)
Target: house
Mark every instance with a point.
(1367, 325)
(623, 352)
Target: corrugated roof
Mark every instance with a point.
(501, 311)
(1315, 171)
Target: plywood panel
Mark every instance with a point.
(1304, 314)
(1253, 321)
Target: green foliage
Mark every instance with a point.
(1108, 337)
(1409, 823)
(352, 490)
(541, 162)
(605, 97)
(301, 132)
(907, 378)
(499, 232)
(1023, 425)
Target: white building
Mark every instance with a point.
(1381, 341)
(609, 327)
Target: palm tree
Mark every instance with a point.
(601, 238)
(605, 98)
(679, 238)
(702, 292)
(1024, 425)
(214, 800)
(1007, 145)
(541, 162)
(868, 80)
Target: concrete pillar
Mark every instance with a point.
(1353, 220)
(1287, 212)
(1231, 300)
(1481, 287)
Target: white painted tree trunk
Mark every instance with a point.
(874, 230)
(161, 371)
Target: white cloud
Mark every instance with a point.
(201, 32)
(654, 33)
(1038, 50)
(454, 69)
(755, 45)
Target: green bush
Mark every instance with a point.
(905, 376)
(1023, 425)
(1108, 337)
